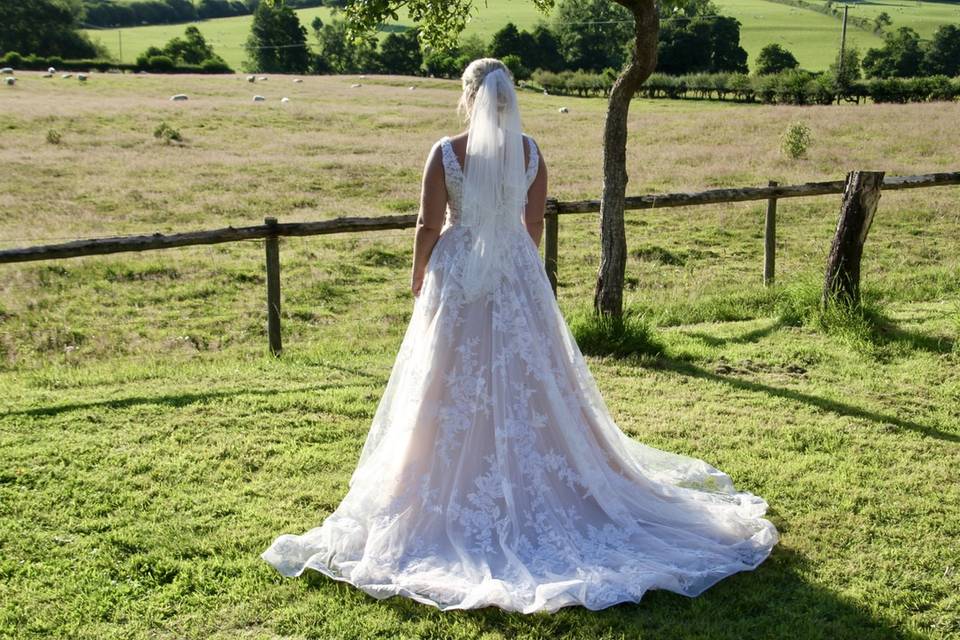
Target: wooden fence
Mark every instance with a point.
(271, 230)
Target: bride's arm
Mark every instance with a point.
(536, 203)
(433, 203)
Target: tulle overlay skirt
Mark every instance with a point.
(493, 473)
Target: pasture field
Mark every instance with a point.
(150, 448)
(923, 16)
(812, 37)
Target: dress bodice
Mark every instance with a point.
(453, 176)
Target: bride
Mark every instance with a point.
(493, 473)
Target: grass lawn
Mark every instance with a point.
(812, 37)
(150, 449)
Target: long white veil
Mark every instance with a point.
(494, 188)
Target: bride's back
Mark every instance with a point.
(454, 151)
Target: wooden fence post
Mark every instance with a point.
(551, 242)
(770, 240)
(860, 197)
(272, 247)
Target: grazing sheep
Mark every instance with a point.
(297, 80)
(563, 110)
(67, 75)
(179, 96)
(10, 81)
(251, 78)
(411, 88)
(82, 77)
(284, 99)
(262, 78)
(354, 86)
(258, 98)
(7, 71)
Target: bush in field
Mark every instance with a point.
(796, 140)
(167, 133)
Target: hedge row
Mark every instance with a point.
(156, 63)
(788, 87)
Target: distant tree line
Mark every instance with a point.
(134, 13)
(792, 86)
(588, 35)
(44, 27)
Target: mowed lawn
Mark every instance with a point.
(150, 448)
(812, 37)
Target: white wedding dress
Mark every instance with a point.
(493, 473)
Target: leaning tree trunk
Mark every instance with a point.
(608, 296)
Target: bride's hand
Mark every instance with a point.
(416, 283)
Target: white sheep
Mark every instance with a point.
(10, 81)
(258, 98)
(51, 71)
(411, 88)
(563, 110)
(262, 78)
(354, 86)
(284, 99)
(179, 96)
(7, 71)
(297, 80)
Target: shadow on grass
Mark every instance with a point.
(749, 336)
(171, 400)
(775, 600)
(840, 408)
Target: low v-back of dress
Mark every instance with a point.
(493, 473)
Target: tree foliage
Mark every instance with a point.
(708, 43)
(593, 34)
(901, 56)
(191, 49)
(277, 41)
(773, 58)
(45, 28)
(943, 54)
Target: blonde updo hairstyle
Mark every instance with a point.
(472, 78)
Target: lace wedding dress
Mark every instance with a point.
(493, 473)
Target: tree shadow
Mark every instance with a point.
(750, 336)
(775, 600)
(175, 400)
(834, 406)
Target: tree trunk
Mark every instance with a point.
(842, 279)
(608, 296)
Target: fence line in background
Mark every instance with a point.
(271, 230)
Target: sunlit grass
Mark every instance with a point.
(150, 448)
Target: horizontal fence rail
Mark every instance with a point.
(271, 230)
(745, 194)
(119, 244)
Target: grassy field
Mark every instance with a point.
(812, 37)
(150, 449)
(924, 17)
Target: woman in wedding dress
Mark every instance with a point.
(493, 473)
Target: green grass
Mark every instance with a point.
(925, 17)
(150, 448)
(812, 37)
